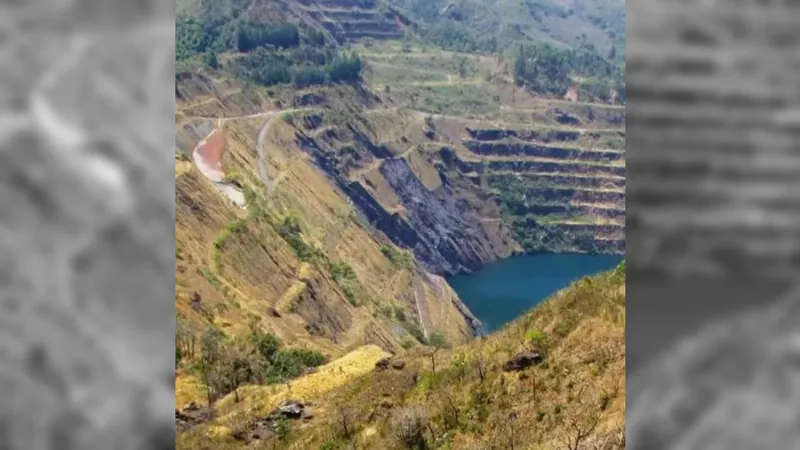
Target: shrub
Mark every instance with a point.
(416, 331)
(403, 259)
(409, 428)
(291, 363)
(288, 118)
(342, 271)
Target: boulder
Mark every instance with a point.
(398, 365)
(289, 409)
(523, 360)
(383, 364)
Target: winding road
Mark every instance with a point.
(207, 156)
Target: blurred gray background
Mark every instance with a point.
(713, 223)
(86, 225)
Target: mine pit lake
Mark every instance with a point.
(503, 290)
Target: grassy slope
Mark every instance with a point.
(582, 381)
(241, 267)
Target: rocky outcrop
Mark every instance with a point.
(523, 360)
(450, 236)
(191, 416)
(386, 363)
(266, 427)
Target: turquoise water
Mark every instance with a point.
(503, 290)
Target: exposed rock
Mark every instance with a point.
(399, 365)
(191, 416)
(196, 301)
(192, 407)
(266, 427)
(523, 360)
(289, 409)
(274, 312)
(383, 364)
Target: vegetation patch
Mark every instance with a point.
(289, 229)
(266, 53)
(401, 258)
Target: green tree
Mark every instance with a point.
(462, 67)
(266, 344)
(210, 60)
(438, 342)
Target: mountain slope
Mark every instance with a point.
(468, 401)
(326, 183)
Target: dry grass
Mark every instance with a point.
(581, 329)
(240, 275)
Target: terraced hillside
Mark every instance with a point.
(715, 188)
(554, 168)
(341, 20)
(356, 19)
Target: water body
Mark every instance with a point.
(506, 289)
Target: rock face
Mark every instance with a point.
(523, 360)
(450, 239)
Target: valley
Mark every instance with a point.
(320, 219)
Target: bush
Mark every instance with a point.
(342, 271)
(291, 363)
(289, 230)
(401, 258)
(266, 344)
(409, 428)
(416, 331)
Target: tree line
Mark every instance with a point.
(302, 68)
(548, 69)
(279, 53)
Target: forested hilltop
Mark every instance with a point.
(544, 56)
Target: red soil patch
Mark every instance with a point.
(210, 150)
